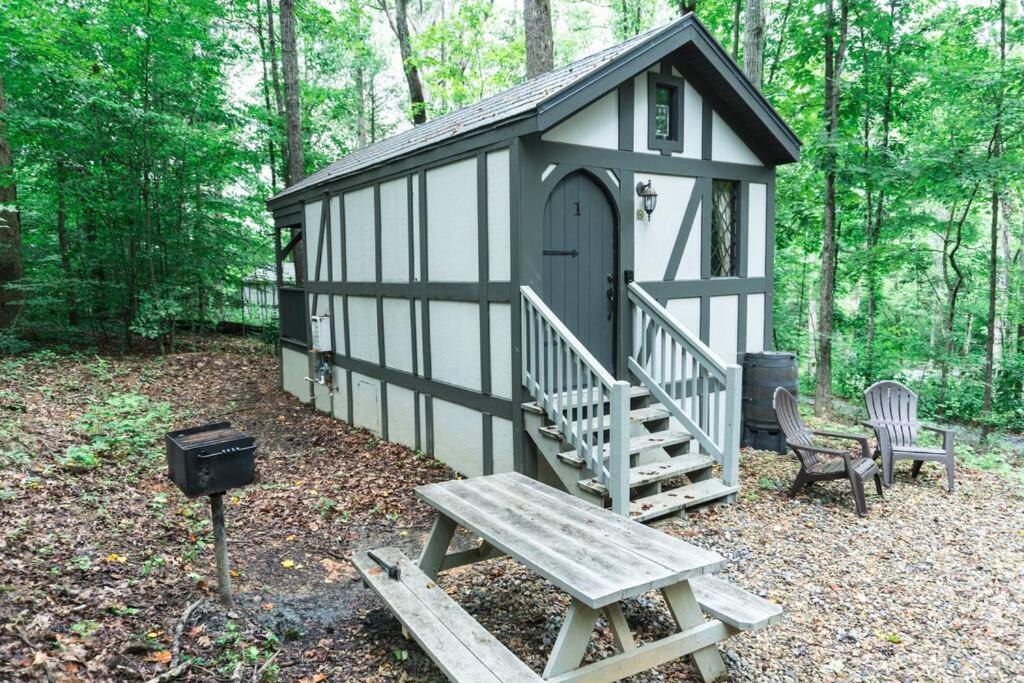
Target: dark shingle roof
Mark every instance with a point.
(703, 56)
(510, 104)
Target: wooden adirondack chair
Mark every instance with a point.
(841, 465)
(892, 413)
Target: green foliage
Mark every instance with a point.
(123, 425)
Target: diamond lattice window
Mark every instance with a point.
(724, 229)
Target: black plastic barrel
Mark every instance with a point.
(763, 373)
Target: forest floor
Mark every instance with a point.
(101, 557)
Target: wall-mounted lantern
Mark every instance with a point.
(650, 198)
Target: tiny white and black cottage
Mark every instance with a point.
(514, 251)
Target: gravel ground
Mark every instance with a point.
(930, 586)
(97, 567)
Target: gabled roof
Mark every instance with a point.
(553, 96)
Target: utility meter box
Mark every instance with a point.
(320, 339)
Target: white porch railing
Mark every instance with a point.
(573, 388)
(698, 388)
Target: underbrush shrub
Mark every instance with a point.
(122, 426)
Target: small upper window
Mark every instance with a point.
(725, 234)
(664, 113)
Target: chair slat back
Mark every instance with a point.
(894, 405)
(793, 427)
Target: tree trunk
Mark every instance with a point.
(954, 282)
(292, 107)
(753, 42)
(873, 229)
(993, 256)
(826, 297)
(412, 72)
(275, 79)
(540, 45)
(293, 117)
(11, 269)
(360, 107)
(64, 244)
(271, 156)
(687, 6)
(737, 8)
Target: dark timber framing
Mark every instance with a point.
(705, 70)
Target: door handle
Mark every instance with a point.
(611, 301)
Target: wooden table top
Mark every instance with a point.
(592, 554)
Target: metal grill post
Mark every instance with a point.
(220, 545)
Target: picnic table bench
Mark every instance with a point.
(595, 556)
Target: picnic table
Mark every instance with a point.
(597, 557)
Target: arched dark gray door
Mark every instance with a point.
(579, 262)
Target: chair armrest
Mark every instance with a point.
(839, 435)
(862, 440)
(935, 428)
(819, 449)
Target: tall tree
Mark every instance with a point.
(412, 73)
(275, 79)
(753, 42)
(540, 42)
(835, 51)
(11, 269)
(993, 262)
(292, 104)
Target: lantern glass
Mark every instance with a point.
(650, 201)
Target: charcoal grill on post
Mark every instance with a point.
(209, 461)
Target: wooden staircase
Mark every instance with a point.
(667, 473)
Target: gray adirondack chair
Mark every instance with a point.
(892, 413)
(839, 464)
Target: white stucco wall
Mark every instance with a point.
(360, 236)
(295, 366)
(362, 319)
(366, 402)
(455, 343)
(452, 222)
(340, 403)
(339, 325)
(335, 228)
(755, 322)
(501, 349)
(397, 334)
(654, 238)
(401, 416)
(693, 125)
(499, 216)
(687, 312)
(757, 229)
(596, 125)
(458, 438)
(394, 230)
(727, 146)
(311, 237)
(416, 227)
(501, 438)
(723, 326)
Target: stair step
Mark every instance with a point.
(667, 502)
(642, 475)
(570, 399)
(648, 414)
(637, 444)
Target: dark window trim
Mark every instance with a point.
(675, 142)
